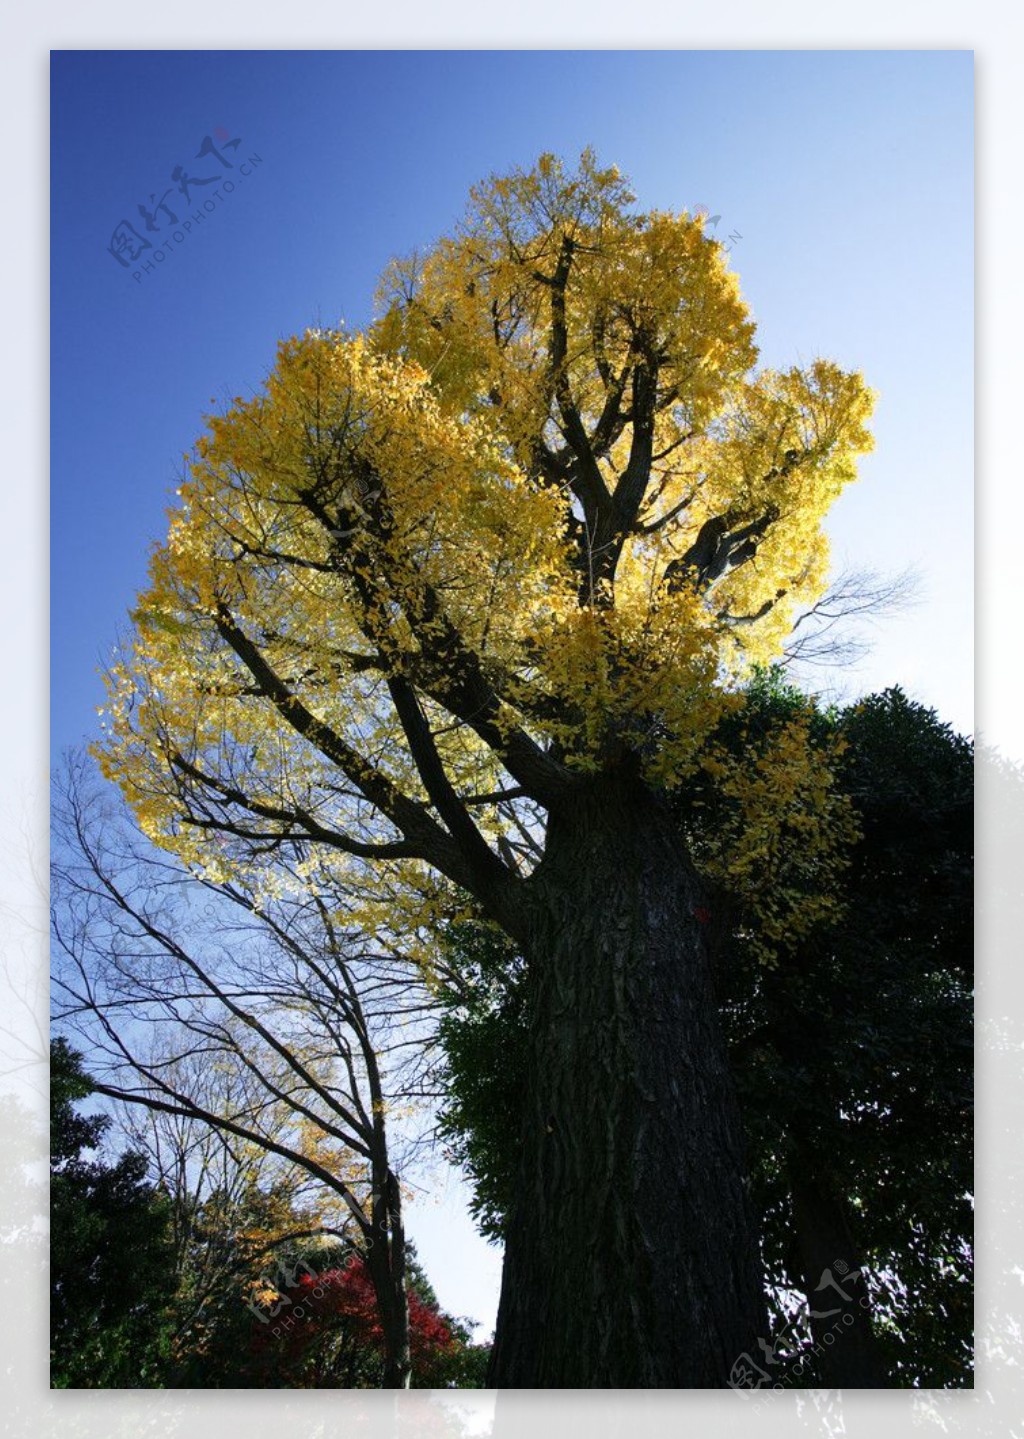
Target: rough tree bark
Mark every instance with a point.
(632, 1258)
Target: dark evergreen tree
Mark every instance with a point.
(112, 1263)
(852, 1055)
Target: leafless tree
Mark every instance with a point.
(171, 979)
(831, 631)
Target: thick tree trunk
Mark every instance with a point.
(631, 1258)
(836, 1292)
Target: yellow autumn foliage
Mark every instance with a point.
(551, 475)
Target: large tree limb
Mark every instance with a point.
(309, 828)
(435, 780)
(423, 832)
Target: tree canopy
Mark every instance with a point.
(535, 518)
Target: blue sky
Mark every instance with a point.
(846, 178)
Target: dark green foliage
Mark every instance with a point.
(112, 1267)
(853, 1056)
(482, 1031)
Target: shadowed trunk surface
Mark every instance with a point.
(631, 1258)
(836, 1292)
(386, 1264)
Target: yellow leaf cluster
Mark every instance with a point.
(783, 841)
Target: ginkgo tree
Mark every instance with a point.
(456, 603)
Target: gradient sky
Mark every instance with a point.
(845, 178)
